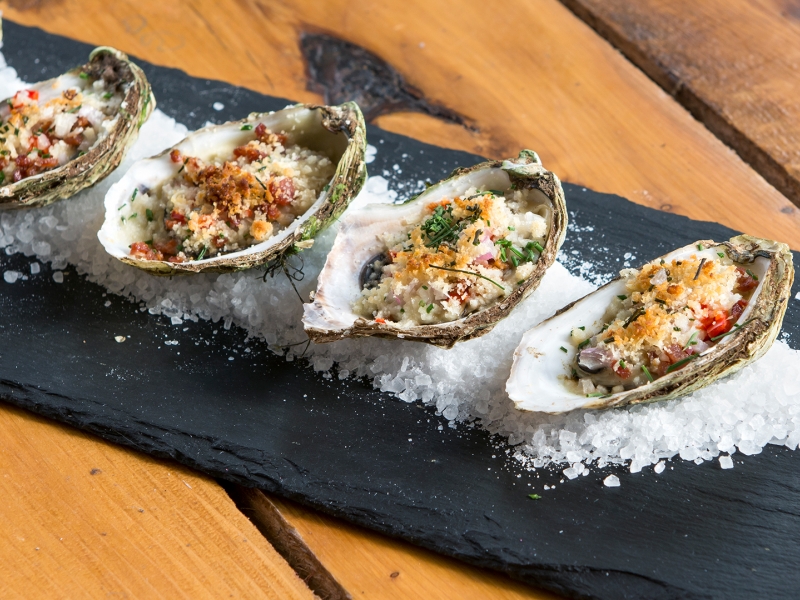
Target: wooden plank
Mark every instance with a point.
(86, 519)
(392, 569)
(528, 75)
(732, 64)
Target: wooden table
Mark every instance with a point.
(83, 518)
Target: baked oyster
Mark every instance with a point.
(62, 135)
(232, 196)
(447, 265)
(682, 321)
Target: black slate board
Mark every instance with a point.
(693, 532)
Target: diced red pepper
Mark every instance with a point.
(282, 190)
(176, 156)
(143, 251)
(744, 281)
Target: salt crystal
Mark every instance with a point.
(725, 462)
(739, 412)
(58, 277)
(611, 481)
(119, 338)
(11, 276)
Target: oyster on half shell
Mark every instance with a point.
(65, 134)
(684, 320)
(233, 196)
(448, 264)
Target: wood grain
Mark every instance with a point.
(735, 65)
(530, 74)
(391, 569)
(86, 519)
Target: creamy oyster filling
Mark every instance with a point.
(37, 135)
(670, 314)
(226, 203)
(466, 254)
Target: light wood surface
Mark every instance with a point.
(529, 74)
(392, 569)
(85, 519)
(735, 64)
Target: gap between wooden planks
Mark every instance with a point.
(530, 75)
(734, 64)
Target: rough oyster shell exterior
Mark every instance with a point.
(330, 317)
(339, 127)
(86, 170)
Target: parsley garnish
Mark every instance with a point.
(246, 127)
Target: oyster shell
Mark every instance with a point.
(360, 242)
(543, 375)
(337, 132)
(108, 76)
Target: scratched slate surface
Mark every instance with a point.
(693, 532)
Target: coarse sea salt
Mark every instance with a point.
(464, 384)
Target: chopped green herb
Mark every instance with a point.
(430, 308)
(622, 364)
(133, 196)
(469, 273)
(475, 242)
(681, 362)
(699, 268)
(149, 214)
(149, 243)
(16, 130)
(2, 177)
(534, 496)
(699, 246)
(108, 96)
(122, 219)
(538, 246)
(676, 329)
(660, 301)
(753, 275)
(722, 335)
(662, 261)
(75, 109)
(265, 166)
(647, 373)
(633, 317)
(595, 395)
(202, 253)
(584, 343)
(496, 192)
(608, 340)
(84, 76)
(563, 349)
(622, 297)
(260, 182)
(692, 341)
(246, 127)
(510, 228)
(721, 254)
(424, 287)
(124, 204)
(134, 215)
(582, 327)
